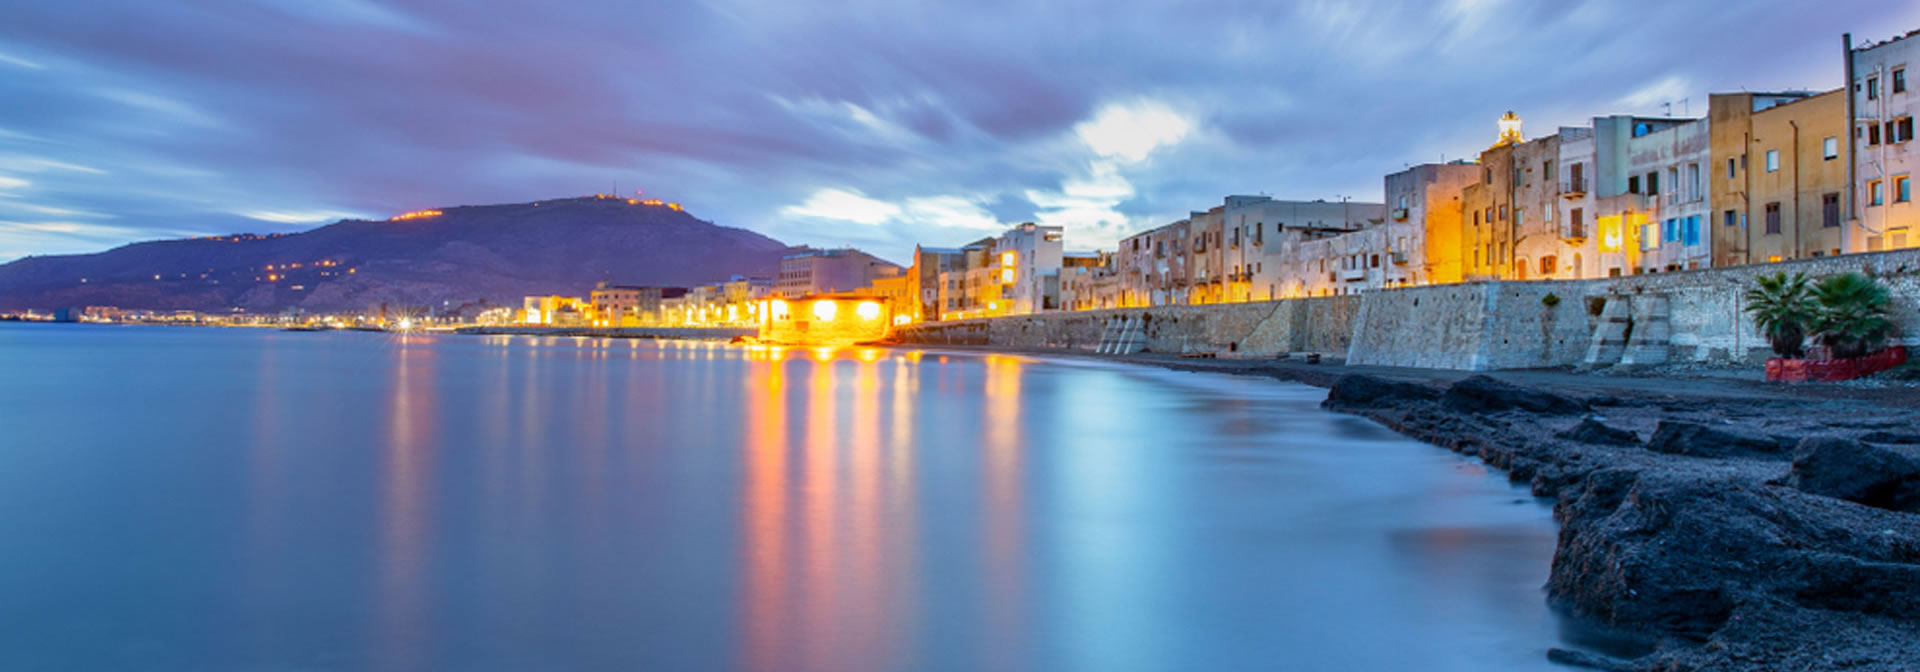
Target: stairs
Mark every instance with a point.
(1123, 335)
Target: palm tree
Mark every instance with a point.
(1782, 307)
(1853, 314)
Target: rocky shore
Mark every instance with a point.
(1700, 532)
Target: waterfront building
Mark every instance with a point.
(1090, 281)
(1425, 222)
(615, 305)
(923, 280)
(1027, 261)
(1883, 155)
(1517, 226)
(1280, 249)
(556, 311)
(810, 272)
(1650, 194)
(1153, 266)
(1779, 176)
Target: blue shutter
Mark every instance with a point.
(1693, 230)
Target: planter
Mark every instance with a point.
(1828, 370)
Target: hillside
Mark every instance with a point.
(494, 252)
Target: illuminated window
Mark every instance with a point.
(1902, 189)
(1876, 192)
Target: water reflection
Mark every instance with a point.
(562, 503)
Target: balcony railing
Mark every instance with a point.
(1399, 257)
(1400, 214)
(1573, 188)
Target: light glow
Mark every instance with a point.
(824, 310)
(867, 310)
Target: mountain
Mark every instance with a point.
(495, 252)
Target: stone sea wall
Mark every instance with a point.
(1644, 319)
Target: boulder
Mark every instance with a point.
(1593, 431)
(1879, 476)
(1482, 394)
(1362, 391)
(1687, 438)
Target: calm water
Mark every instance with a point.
(195, 499)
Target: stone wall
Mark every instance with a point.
(1690, 315)
(1321, 324)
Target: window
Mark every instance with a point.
(1503, 213)
(1730, 218)
(1373, 261)
(1476, 218)
(1730, 164)
(1649, 236)
(1773, 160)
(1633, 184)
(1873, 88)
(1670, 231)
(1653, 183)
(1873, 134)
(1693, 181)
(1830, 148)
(1773, 217)
(1900, 130)
(1876, 192)
(1900, 80)
(1902, 189)
(1547, 265)
(1576, 223)
(1403, 201)
(1691, 234)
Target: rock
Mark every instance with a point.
(1891, 437)
(1877, 476)
(1674, 437)
(1362, 391)
(1481, 394)
(1591, 661)
(1593, 431)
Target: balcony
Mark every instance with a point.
(1574, 188)
(1353, 274)
(1399, 214)
(1399, 257)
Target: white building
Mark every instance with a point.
(1884, 104)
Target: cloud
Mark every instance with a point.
(884, 123)
(1131, 131)
(13, 183)
(845, 206)
(298, 216)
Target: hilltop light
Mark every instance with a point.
(417, 214)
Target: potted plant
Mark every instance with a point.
(1783, 307)
(1852, 317)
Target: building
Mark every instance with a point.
(1517, 225)
(1424, 223)
(556, 311)
(811, 272)
(1153, 266)
(1779, 176)
(615, 305)
(923, 280)
(1883, 155)
(1651, 195)
(1027, 260)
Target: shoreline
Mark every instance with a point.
(1704, 523)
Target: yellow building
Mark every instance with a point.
(557, 311)
(838, 319)
(1779, 172)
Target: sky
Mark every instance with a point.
(878, 124)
